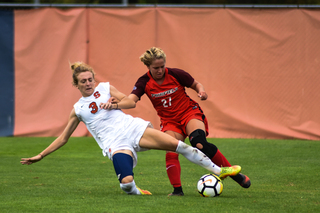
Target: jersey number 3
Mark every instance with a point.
(94, 108)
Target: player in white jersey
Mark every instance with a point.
(120, 136)
(112, 129)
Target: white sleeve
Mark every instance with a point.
(76, 107)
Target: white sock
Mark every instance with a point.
(130, 188)
(196, 156)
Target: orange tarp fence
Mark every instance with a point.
(260, 67)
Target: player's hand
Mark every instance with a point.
(32, 160)
(202, 95)
(107, 105)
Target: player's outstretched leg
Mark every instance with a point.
(196, 156)
(198, 139)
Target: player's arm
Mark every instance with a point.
(198, 87)
(58, 142)
(118, 100)
(134, 97)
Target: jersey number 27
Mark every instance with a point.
(166, 102)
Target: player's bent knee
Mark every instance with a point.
(198, 139)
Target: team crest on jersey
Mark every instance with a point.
(96, 94)
(168, 92)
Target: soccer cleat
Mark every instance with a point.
(144, 192)
(242, 180)
(229, 171)
(176, 194)
(246, 183)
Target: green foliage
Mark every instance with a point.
(77, 178)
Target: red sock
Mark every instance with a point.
(220, 160)
(173, 168)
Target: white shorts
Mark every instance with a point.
(127, 137)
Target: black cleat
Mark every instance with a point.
(176, 194)
(242, 180)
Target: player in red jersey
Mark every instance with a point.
(180, 116)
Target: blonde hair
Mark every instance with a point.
(151, 54)
(77, 68)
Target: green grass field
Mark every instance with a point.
(77, 178)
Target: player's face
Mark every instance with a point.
(157, 69)
(86, 83)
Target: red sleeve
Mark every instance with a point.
(139, 87)
(184, 78)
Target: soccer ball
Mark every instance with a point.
(210, 185)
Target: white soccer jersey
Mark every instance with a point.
(112, 129)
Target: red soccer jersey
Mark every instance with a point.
(170, 98)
